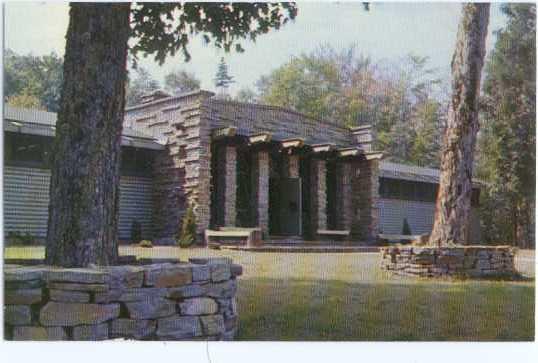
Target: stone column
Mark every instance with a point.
(344, 195)
(260, 178)
(318, 194)
(293, 166)
(230, 185)
(365, 189)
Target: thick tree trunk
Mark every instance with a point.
(453, 208)
(84, 190)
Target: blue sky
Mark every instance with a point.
(387, 32)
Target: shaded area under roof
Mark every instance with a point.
(391, 170)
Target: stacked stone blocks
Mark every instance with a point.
(261, 171)
(319, 193)
(470, 261)
(165, 301)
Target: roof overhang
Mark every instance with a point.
(28, 128)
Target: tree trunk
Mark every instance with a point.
(84, 188)
(453, 207)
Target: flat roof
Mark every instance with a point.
(416, 173)
(38, 122)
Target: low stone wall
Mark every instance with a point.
(465, 261)
(164, 301)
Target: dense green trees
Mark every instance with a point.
(506, 159)
(179, 81)
(403, 101)
(33, 81)
(139, 83)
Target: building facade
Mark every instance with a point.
(238, 165)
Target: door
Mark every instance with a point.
(290, 206)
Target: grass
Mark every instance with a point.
(299, 296)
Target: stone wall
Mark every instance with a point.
(365, 197)
(165, 301)
(182, 171)
(471, 261)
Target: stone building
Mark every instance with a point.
(239, 165)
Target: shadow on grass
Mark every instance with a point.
(331, 310)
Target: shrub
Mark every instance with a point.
(17, 238)
(136, 231)
(145, 243)
(406, 230)
(187, 235)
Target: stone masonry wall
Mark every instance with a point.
(230, 184)
(471, 261)
(365, 192)
(343, 191)
(318, 193)
(182, 171)
(261, 169)
(166, 301)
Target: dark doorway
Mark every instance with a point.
(285, 206)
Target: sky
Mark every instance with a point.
(388, 32)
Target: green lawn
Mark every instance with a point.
(335, 296)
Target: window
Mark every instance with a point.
(27, 150)
(407, 190)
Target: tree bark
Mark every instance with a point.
(453, 206)
(84, 189)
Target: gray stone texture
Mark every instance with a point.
(198, 306)
(17, 314)
(471, 261)
(23, 296)
(179, 327)
(126, 303)
(37, 333)
(318, 194)
(230, 185)
(69, 296)
(168, 276)
(260, 170)
(151, 308)
(71, 314)
(212, 324)
(131, 328)
(91, 332)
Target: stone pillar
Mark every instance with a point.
(365, 191)
(318, 194)
(230, 185)
(293, 166)
(260, 169)
(344, 195)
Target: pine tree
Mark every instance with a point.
(223, 80)
(507, 159)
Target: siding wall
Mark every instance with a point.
(26, 199)
(419, 216)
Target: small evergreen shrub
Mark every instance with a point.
(187, 235)
(136, 231)
(406, 230)
(145, 243)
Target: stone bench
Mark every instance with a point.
(342, 234)
(230, 235)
